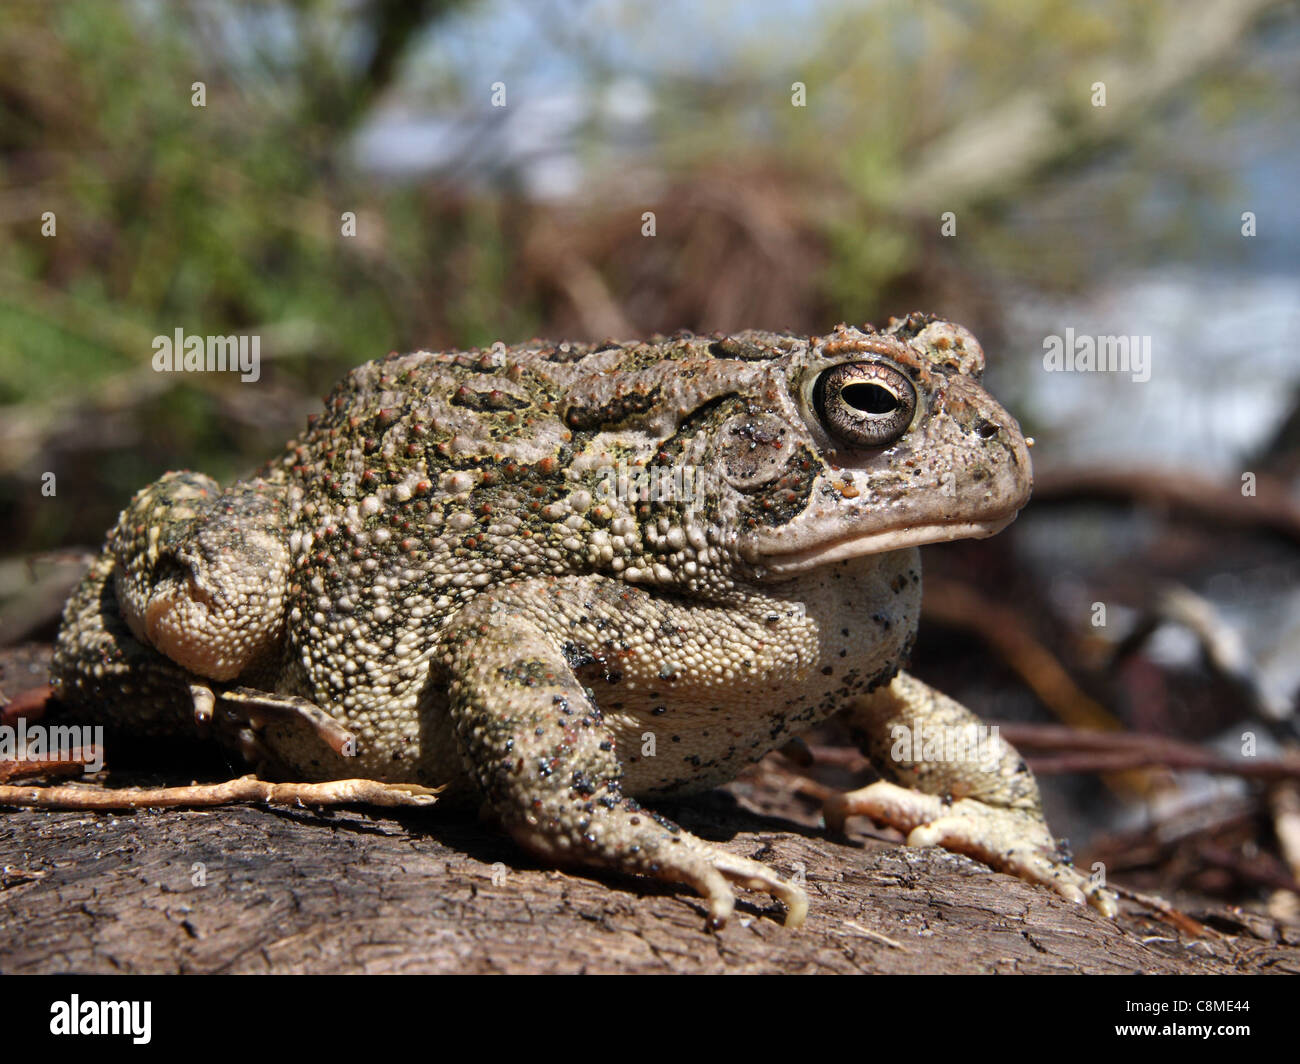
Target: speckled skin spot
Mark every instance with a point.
(447, 564)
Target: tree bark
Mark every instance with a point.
(247, 888)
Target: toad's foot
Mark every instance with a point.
(689, 860)
(254, 708)
(754, 876)
(242, 714)
(962, 787)
(1015, 841)
(244, 789)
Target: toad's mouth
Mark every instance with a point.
(788, 563)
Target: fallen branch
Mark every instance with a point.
(1271, 506)
(244, 789)
(45, 766)
(1085, 751)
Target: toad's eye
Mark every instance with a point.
(865, 404)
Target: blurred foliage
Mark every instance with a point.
(223, 218)
(891, 84)
(227, 218)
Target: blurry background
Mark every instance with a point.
(806, 164)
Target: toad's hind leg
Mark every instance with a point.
(188, 595)
(188, 590)
(964, 788)
(539, 749)
(201, 575)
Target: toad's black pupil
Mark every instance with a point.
(870, 398)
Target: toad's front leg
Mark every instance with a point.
(965, 788)
(538, 748)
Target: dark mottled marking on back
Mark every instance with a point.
(613, 413)
(492, 399)
(740, 348)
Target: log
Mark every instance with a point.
(248, 888)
